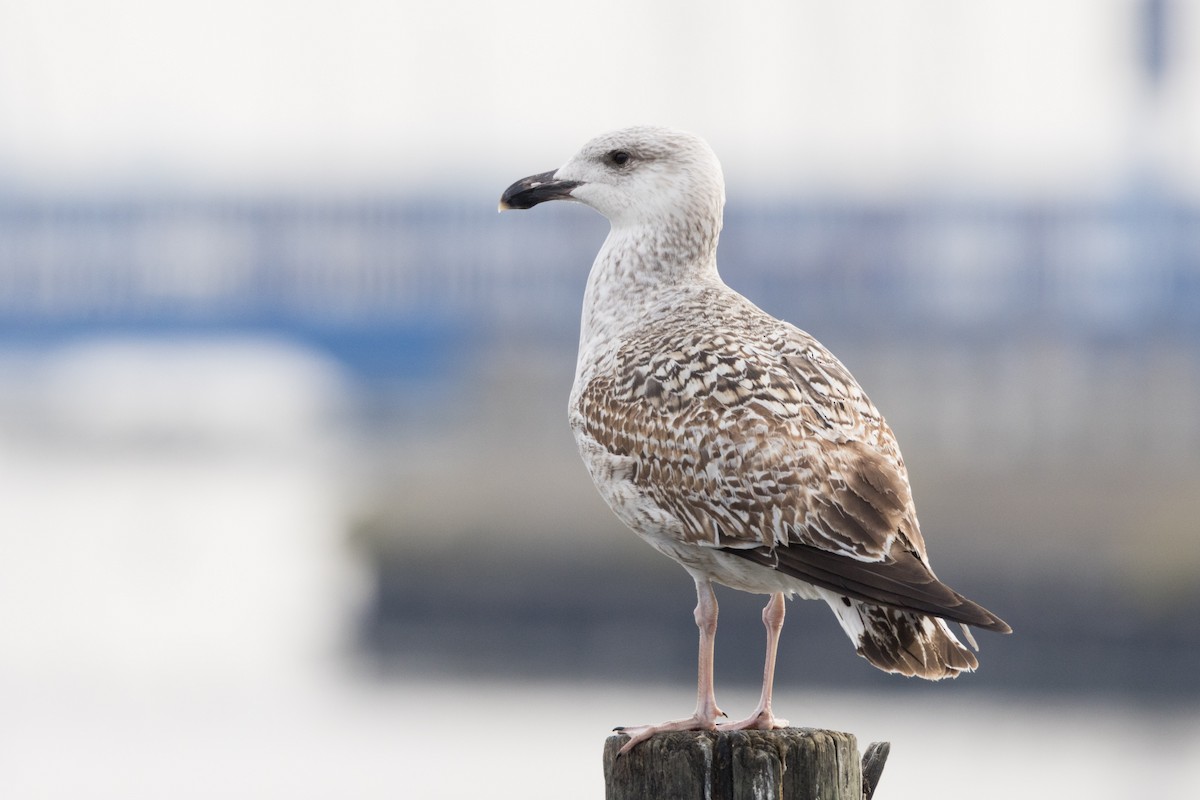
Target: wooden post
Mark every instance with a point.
(789, 764)
(872, 766)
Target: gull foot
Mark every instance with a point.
(758, 721)
(640, 733)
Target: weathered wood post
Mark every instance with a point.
(789, 764)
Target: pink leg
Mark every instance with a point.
(707, 712)
(763, 719)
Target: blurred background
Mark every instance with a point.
(290, 506)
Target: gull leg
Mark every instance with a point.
(763, 719)
(705, 717)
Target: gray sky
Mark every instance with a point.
(856, 96)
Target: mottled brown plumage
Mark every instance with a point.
(731, 441)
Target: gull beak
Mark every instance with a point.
(528, 192)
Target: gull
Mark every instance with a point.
(734, 442)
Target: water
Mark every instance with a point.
(428, 738)
(178, 601)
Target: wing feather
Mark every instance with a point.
(772, 451)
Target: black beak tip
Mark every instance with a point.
(528, 192)
(516, 197)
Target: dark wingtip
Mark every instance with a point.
(903, 583)
(977, 616)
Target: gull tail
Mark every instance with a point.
(906, 642)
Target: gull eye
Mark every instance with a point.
(619, 157)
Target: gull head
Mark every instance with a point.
(642, 176)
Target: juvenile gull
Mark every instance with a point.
(731, 441)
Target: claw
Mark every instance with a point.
(640, 733)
